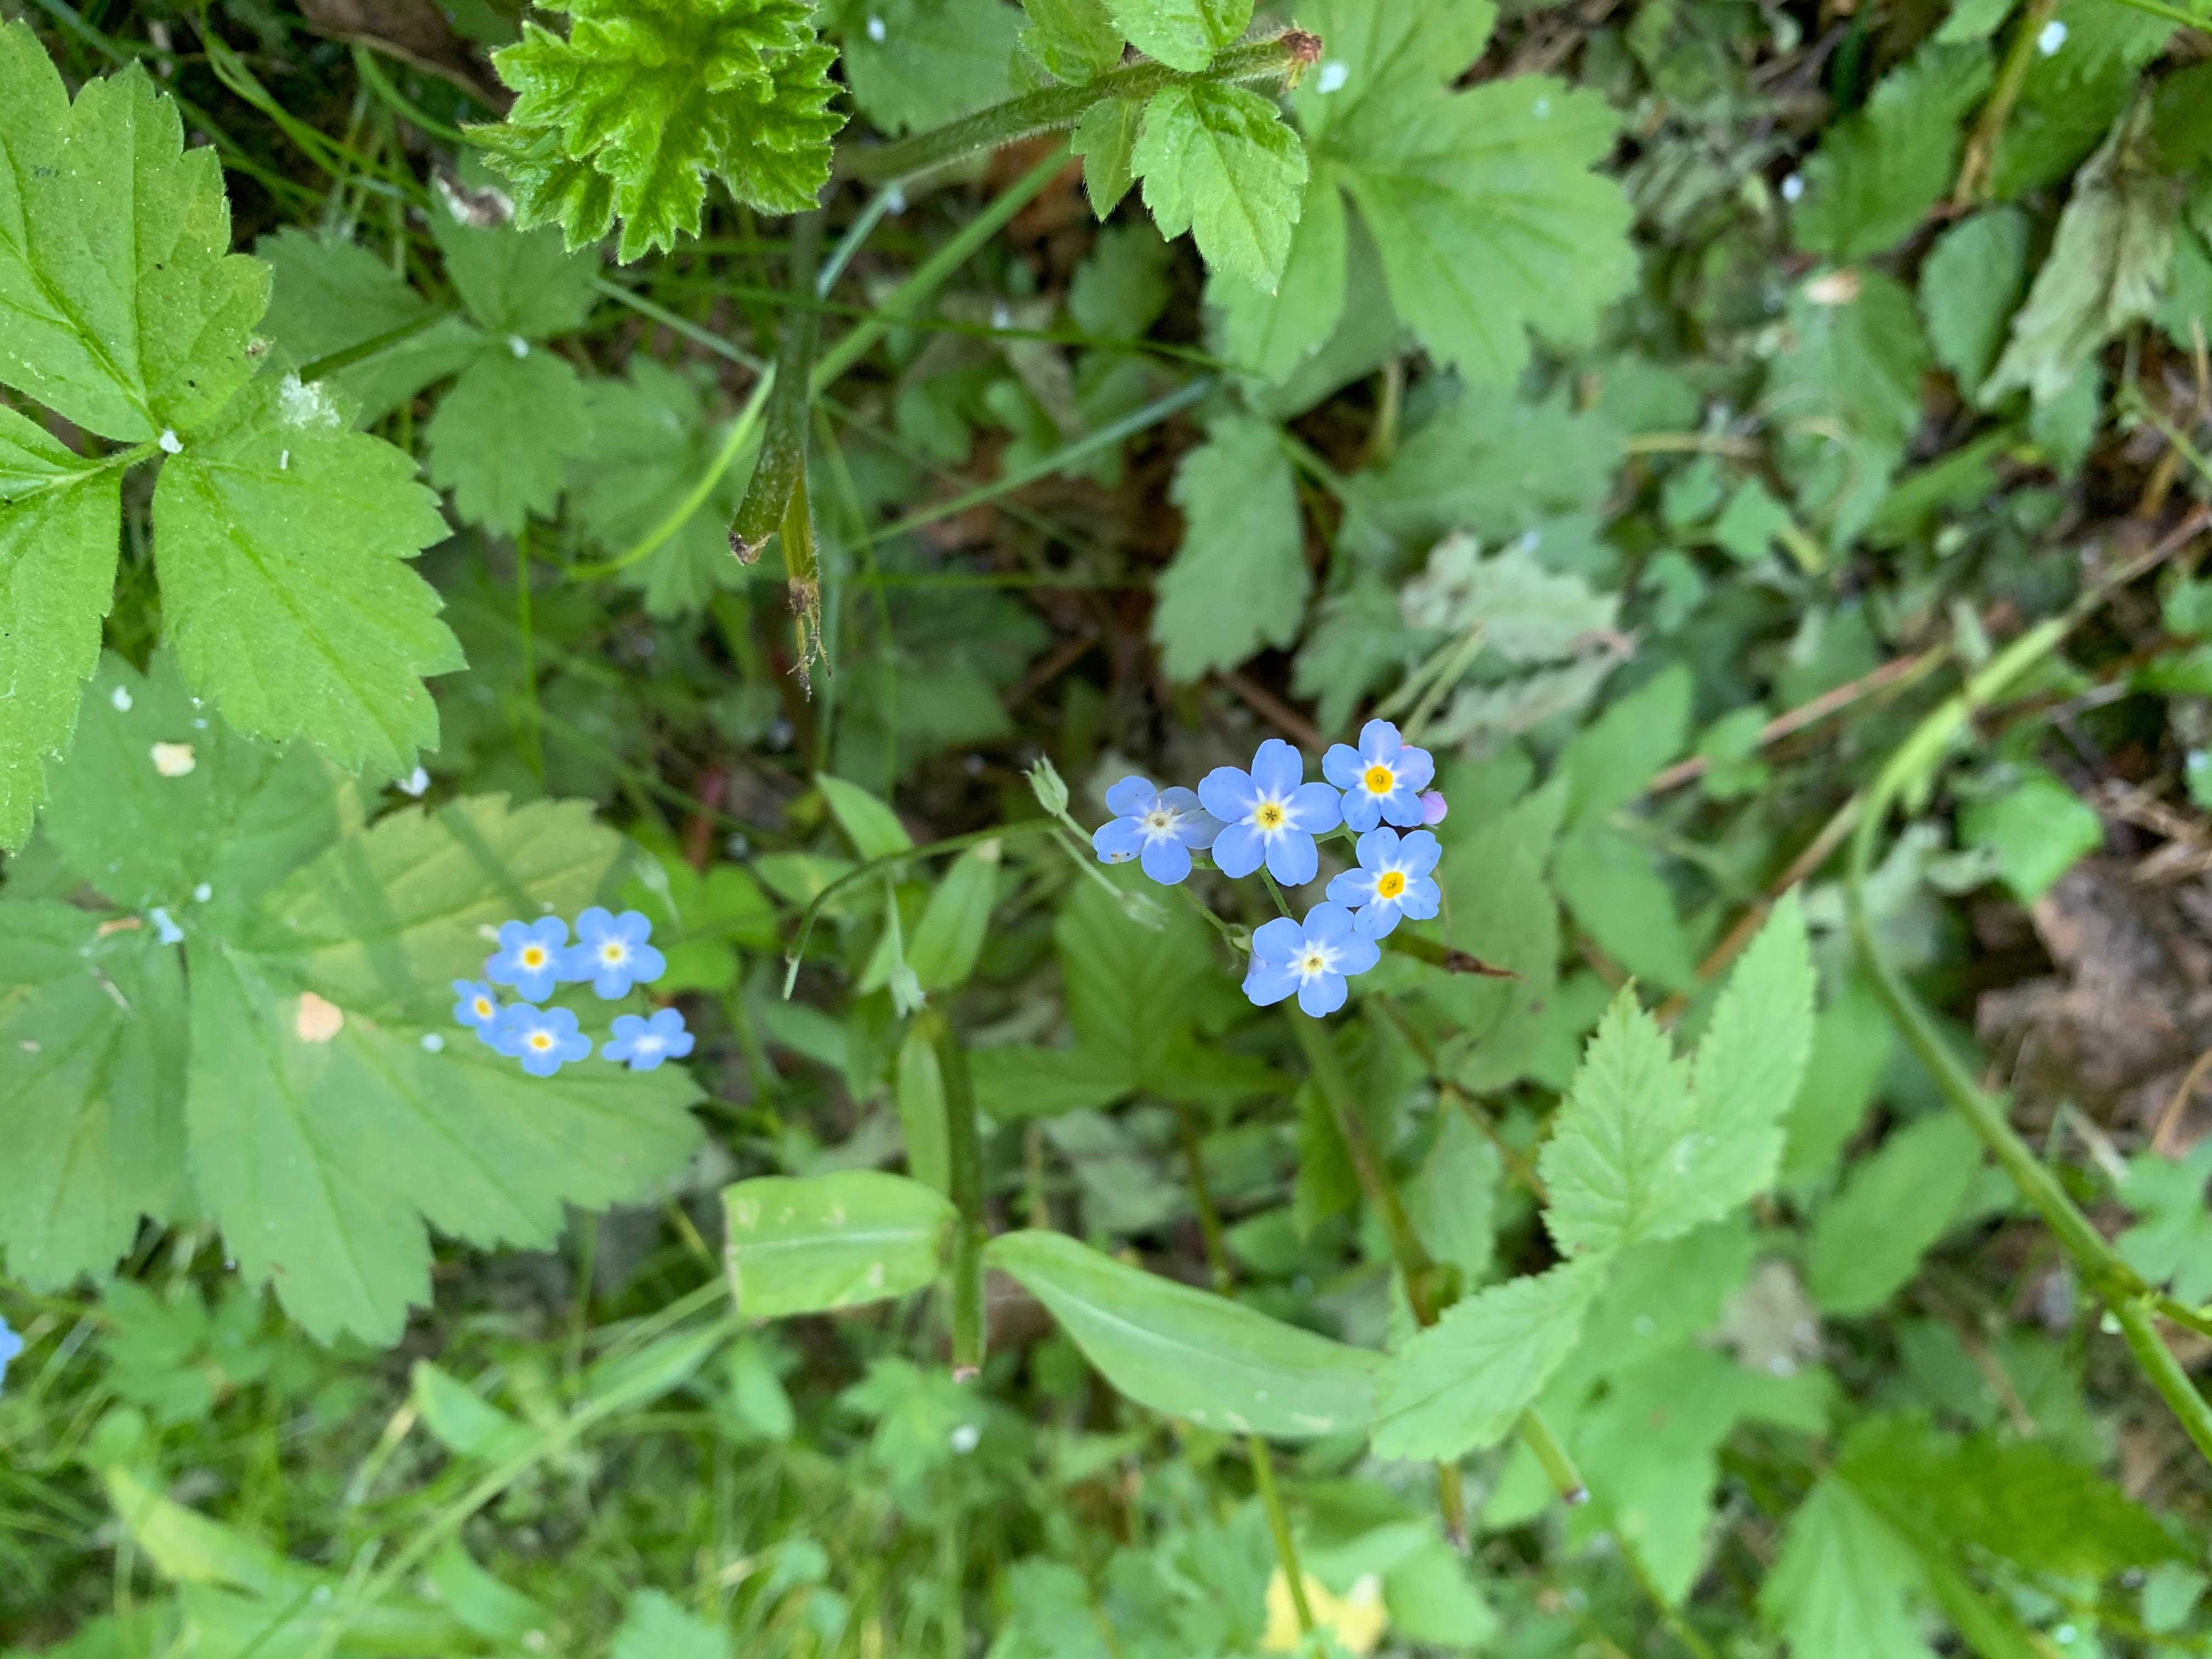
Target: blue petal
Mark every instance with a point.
(1357, 955)
(1402, 807)
(594, 925)
(1361, 810)
(1316, 807)
(628, 1028)
(1167, 861)
(1277, 941)
(612, 982)
(1379, 741)
(578, 1047)
(513, 935)
(1377, 848)
(1180, 800)
(1353, 888)
(551, 930)
(1117, 841)
(632, 928)
(1278, 768)
(1378, 919)
(1419, 853)
(1417, 768)
(541, 1065)
(1328, 924)
(1239, 849)
(1268, 983)
(1342, 766)
(1131, 797)
(1228, 793)
(1323, 993)
(647, 964)
(1422, 898)
(1198, 830)
(1293, 859)
(667, 1023)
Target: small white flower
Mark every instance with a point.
(202, 893)
(2052, 38)
(876, 29)
(1793, 187)
(517, 345)
(165, 925)
(415, 783)
(170, 442)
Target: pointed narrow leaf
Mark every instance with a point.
(1217, 161)
(1189, 1354)
(807, 1245)
(1460, 1383)
(1614, 1164)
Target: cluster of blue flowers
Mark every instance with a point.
(1269, 816)
(612, 953)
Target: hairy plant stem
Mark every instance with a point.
(1263, 1460)
(1284, 57)
(1989, 130)
(1904, 778)
(964, 1157)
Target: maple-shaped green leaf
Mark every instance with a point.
(252, 1020)
(515, 282)
(915, 63)
(1840, 1590)
(1106, 139)
(60, 516)
(126, 310)
(337, 299)
(282, 539)
(1239, 580)
(1272, 333)
(628, 113)
(1879, 171)
(2173, 1243)
(504, 436)
(1075, 41)
(1216, 161)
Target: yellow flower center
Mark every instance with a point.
(1314, 962)
(611, 953)
(1270, 815)
(1379, 779)
(541, 1041)
(534, 955)
(482, 1005)
(1391, 884)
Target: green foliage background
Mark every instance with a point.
(1761, 449)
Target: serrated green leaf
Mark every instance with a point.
(159, 804)
(657, 1626)
(1239, 580)
(1838, 1591)
(1613, 1163)
(1850, 373)
(1493, 466)
(1183, 34)
(1272, 333)
(1503, 912)
(1130, 987)
(628, 114)
(504, 437)
(1217, 161)
(1527, 611)
(1488, 218)
(1608, 762)
(1878, 172)
(2034, 831)
(1106, 139)
(815, 1242)
(126, 310)
(1461, 1383)
(1610, 882)
(1970, 284)
(1377, 52)
(60, 519)
(2106, 268)
(521, 282)
(915, 63)
(1868, 1240)
(1188, 1354)
(2172, 1245)
(322, 1157)
(282, 540)
(2074, 92)
(92, 1054)
(332, 297)
(1076, 41)
(1750, 1066)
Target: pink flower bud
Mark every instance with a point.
(1433, 806)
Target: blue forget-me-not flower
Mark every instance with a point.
(1393, 880)
(644, 1043)
(1158, 828)
(611, 953)
(1382, 780)
(10, 1346)
(478, 1009)
(542, 1039)
(1271, 815)
(529, 957)
(1313, 960)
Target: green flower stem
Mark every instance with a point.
(1556, 1463)
(861, 872)
(782, 461)
(933, 272)
(1284, 57)
(1982, 147)
(1263, 1460)
(741, 430)
(964, 1169)
(1282, 904)
(1904, 778)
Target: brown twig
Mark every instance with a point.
(1279, 714)
(1902, 670)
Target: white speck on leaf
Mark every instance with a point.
(202, 893)
(1334, 74)
(317, 1020)
(1793, 187)
(29, 1045)
(415, 783)
(170, 443)
(964, 1439)
(1837, 288)
(517, 345)
(876, 29)
(433, 1043)
(172, 760)
(121, 698)
(165, 925)
(2052, 38)
(305, 403)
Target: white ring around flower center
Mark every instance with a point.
(1270, 814)
(482, 1005)
(541, 1040)
(613, 951)
(647, 1044)
(1160, 821)
(1316, 961)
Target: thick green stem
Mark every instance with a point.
(1282, 57)
(2122, 1289)
(964, 1157)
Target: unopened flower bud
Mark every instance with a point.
(1048, 786)
(1433, 806)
